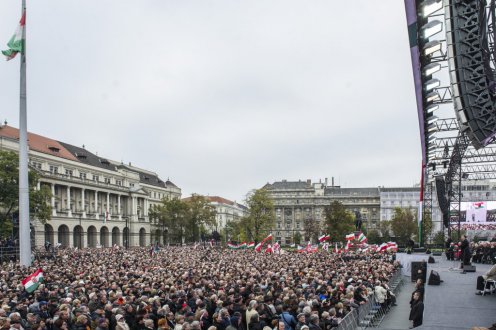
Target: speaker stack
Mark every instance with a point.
(434, 278)
(419, 270)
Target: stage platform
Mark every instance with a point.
(453, 304)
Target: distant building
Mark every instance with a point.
(405, 198)
(298, 201)
(95, 201)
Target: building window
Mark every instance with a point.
(82, 176)
(36, 165)
(96, 178)
(68, 172)
(106, 180)
(118, 182)
(54, 169)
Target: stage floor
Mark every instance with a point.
(453, 304)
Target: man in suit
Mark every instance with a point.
(417, 310)
(465, 252)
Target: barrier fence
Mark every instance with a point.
(371, 314)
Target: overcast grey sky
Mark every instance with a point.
(223, 96)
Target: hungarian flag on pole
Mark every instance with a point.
(32, 282)
(251, 245)
(16, 43)
(258, 247)
(362, 238)
(324, 238)
(350, 237)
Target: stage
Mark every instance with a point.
(453, 304)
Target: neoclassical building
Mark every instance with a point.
(95, 201)
(298, 201)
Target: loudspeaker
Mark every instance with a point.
(438, 253)
(419, 270)
(469, 268)
(431, 260)
(434, 278)
(419, 250)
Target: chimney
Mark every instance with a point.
(309, 181)
(332, 182)
(129, 163)
(326, 181)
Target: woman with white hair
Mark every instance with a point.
(250, 311)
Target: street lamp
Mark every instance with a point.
(126, 243)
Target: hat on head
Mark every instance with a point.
(118, 317)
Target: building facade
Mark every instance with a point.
(226, 211)
(405, 198)
(95, 201)
(297, 202)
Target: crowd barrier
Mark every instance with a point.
(370, 314)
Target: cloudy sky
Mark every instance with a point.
(223, 96)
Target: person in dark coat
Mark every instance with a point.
(417, 310)
(465, 251)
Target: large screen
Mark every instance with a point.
(475, 212)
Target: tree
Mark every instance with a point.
(311, 229)
(261, 216)
(171, 214)
(403, 224)
(373, 237)
(339, 222)
(426, 227)
(384, 229)
(297, 238)
(199, 213)
(39, 200)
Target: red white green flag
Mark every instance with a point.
(362, 238)
(32, 282)
(350, 237)
(251, 245)
(16, 43)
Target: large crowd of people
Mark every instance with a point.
(182, 288)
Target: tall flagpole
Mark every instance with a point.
(24, 234)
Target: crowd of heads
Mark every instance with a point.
(182, 288)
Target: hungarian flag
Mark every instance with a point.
(350, 237)
(269, 249)
(300, 249)
(32, 282)
(258, 248)
(382, 247)
(276, 247)
(16, 43)
(232, 246)
(324, 238)
(250, 245)
(362, 238)
(268, 238)
(325, 247)
(347, 247)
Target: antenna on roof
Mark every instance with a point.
(5, 122)
(83, 147)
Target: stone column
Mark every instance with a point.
(119, 206)
(108, 203)
(52, 200)
(96, 204)
(83, 204)
(69, 210)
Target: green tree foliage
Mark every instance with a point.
(261, 216)
(184, 220)
(311, 229)
(297, 238)
(426, 227)
(384, 229)
(438, 238)
(373, 237)
(39, 200)
(339, 222)
(170, 215)
(403, 224)
(199, 213)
